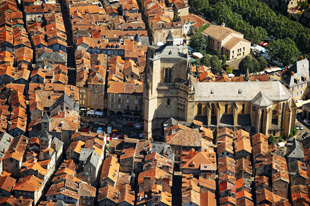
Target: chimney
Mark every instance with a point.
(223, 24)
(301, 57)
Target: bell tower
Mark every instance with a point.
(166, 76)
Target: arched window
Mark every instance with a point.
(212, 109)
(199, 109)
(168, 75)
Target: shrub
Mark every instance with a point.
(271, 139)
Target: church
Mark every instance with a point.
(170, 91)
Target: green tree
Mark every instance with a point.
(284, 49)
(176, 16)
(280, 139)
(199, 4)
(246, 63)
(197, 42)
(206, 60)
(229, 70)
(224, 59)
(203, 27)
(302, 5)
(271, 139)
(263, 62)
(294, 131)
(215, 64)
(256, 65)
(216, 52)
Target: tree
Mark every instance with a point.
(303, 5)
(263, 62)
(256, 65)
(197, 42)
(199, 4)
(206, 60)
(280, 139)
(224, 59)
(215, 64)
(246, 63)
(271, 139)
(176, 16)
(229, 70)
(294, 131)
(203, 27)
(216, 52)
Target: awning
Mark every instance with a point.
(197, 55)
(98, 113)
(83, 109)
(91, 112)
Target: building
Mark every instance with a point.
(297, 79)
(170, 91)
(125, 98)
(166, 73)
(227, 42)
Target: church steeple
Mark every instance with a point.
(169, 39)
(45, 123)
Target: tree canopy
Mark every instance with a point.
(197, 42)
(216, 64)
(249, 63)
(284, 49)
(256, 21)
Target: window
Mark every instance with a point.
(199, 109)
(243, 108)
(168, 102)
(136, 108)
(226, 108)
(167, 75)
(127, 108)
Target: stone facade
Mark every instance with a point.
(169, 91)
(164, 89)
(227, 42)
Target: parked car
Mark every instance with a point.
(304, 136)
(306, 122)
(301, 127)
(138, 126)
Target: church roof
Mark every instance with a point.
(262, 100)
(241, 91)
(169, 37)
(45, 135)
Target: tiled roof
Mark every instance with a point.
(110, 169)
(185, 138)
(7, 183)
(28, 184)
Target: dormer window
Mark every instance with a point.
(296, 80)
(303, 78)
